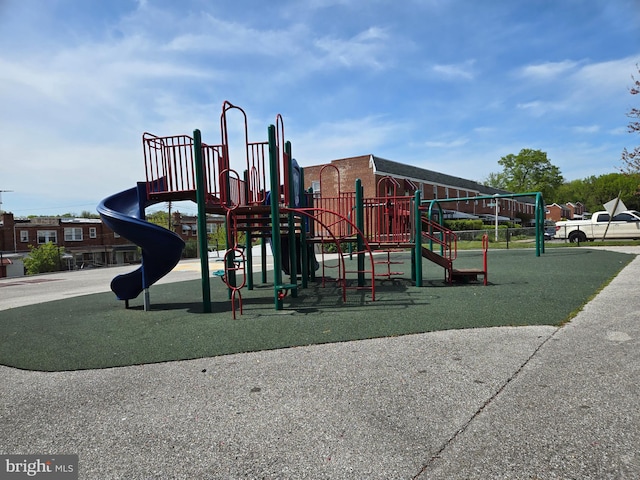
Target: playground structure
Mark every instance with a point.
(269, 203)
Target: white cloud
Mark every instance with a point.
(457, 142)
(548, 70)
(234, 38)
(346, 138)
(586, 129)
(619, 131)
(535, 107)
(367, 48)
(461, 70)
(606, 78)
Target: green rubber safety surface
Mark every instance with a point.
(96, 331)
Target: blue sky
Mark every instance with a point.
(448, 85)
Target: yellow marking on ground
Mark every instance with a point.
(195, 266)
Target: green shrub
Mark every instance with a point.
(330, 247)
(45, 258)
(190, 249)
(460, 225)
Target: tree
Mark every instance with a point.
(529, 171)
(631, 159)
(593, 192)
(45, 258)
(159, 217)
(497, 180)
(88, 214)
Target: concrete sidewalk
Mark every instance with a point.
(512, 403)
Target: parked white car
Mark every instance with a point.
(625, 225)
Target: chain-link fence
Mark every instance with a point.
(509, 235)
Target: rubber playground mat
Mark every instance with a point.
(96, 331)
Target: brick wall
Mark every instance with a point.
(341, 176)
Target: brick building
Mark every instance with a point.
(556, 212)
(577, 210)
(86, 241)
(372, 170)
(568, 211)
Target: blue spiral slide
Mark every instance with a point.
(161, 248)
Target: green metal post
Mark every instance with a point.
(539, 224)
(291, 225)
(275, 216)
(440, 222)
(263, 257)
(417, 250)
(360, 225)
(203, 243)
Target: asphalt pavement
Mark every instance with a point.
(500, 403)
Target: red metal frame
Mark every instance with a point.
(170, 167)
(315, 214)
(255, 159)
(442, 236)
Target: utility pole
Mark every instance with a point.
(1, 192)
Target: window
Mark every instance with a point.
(73, 234)
(93, 233)
(24, 236)
(624, 217)
(45, 236)
(315, 186)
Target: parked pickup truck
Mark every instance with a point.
(623, 225)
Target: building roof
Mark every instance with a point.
(382, 166)
(79, 220)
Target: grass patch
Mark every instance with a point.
(530, 243)
(95, 331)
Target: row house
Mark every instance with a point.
(86, 241)
(568, 211)
(577, 211)
(372, 172)
(186, 226)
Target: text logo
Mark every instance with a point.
(48, 467)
